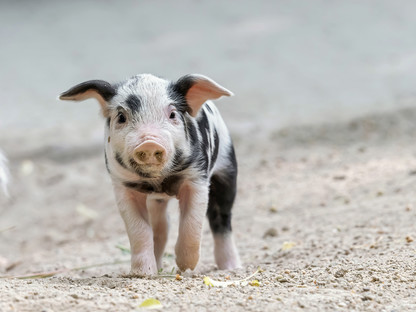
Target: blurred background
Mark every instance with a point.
(288, 62)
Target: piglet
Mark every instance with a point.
(163, 140)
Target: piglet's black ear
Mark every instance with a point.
(197, 89)
(98, 89)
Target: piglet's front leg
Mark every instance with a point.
(193, 201)
(132, 206)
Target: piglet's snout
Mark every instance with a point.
(150, 153)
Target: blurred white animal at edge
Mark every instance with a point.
(4, 173)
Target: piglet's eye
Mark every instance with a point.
(121, 118)
(172, 115)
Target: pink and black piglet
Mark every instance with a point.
(163, 140)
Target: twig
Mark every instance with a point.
(52, 273)
(8, 229)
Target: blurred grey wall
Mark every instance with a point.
(288, 62)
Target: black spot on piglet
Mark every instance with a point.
(120, 160)
(171, 184)
(142, 187)
(133, 102)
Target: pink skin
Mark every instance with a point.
(148, 134)
(150, 153)
(156, 132)
(150, 146)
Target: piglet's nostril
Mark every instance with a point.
(141, 156)
(159, 156)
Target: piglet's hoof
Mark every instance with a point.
(186, 258)
(143, 267)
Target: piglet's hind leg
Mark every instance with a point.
(221, 199)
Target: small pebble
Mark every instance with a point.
(273, 209)
(366, 298)
(272, 232)
(340, 273)
(282, 279)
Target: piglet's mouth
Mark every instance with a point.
(146, 171)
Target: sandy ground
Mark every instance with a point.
(340, 195)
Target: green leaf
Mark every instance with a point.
(124, 249)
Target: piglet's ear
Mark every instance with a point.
(98, 89)
(197, 89)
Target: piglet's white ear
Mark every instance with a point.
(98, 89)
(197, 89)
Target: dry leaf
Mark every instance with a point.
(86, 212)
(243, 282)
(151, 304)
(288, 245)
(207, 281)
(255, 283)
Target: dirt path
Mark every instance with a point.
(339, 198)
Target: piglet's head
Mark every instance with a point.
(148, 119)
